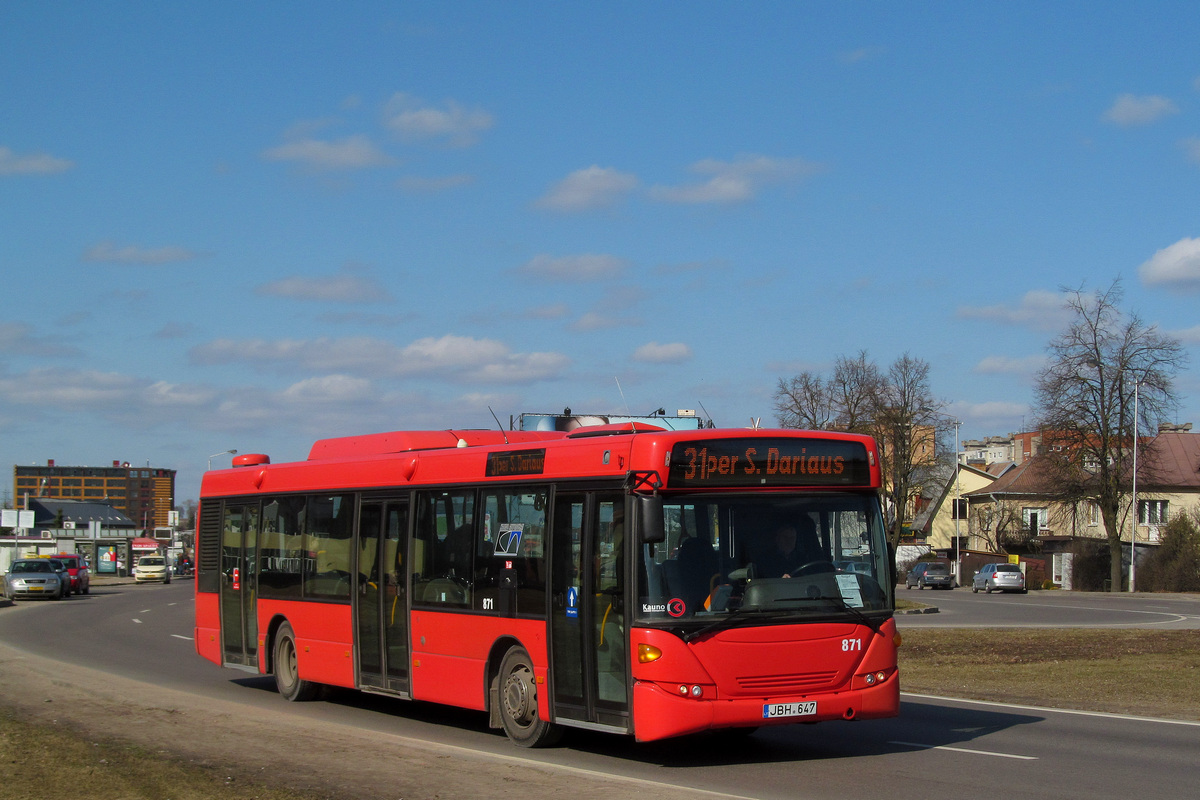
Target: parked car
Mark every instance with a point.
(64, 574)
(34, 577)
(934, 574)
(77, 566)
(861, 567)
(999, 577)
(151, 568)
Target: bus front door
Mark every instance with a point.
(381, 596)
(589, 657)
(239, 625)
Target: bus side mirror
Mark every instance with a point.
(650, 518)
(892, 569)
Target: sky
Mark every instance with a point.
(227, 225)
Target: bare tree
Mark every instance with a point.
(907, 421)
(897, 408)
(804, 401)
(1085, 399)
(856, 388)
(998, 524)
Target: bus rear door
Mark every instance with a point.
(381, 595)
(239, 626)
(589, 662)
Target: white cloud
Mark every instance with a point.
(132, 254)
(1129, 109)
(345, 287)
(735, 181)
(575, 269)
(328, 388)
(109, 394)
(411, 118)
(1006, 365)
(1038, 309)
(353, 152)
(1188, 335)
(588, 189)
(449, 358)
(554, 311)
(1174, 266)
(670, 353)
(861, 54)
(1191, 147)
(17, 339)
(31, 164)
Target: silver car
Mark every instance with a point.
(1002, 577)
(34, 577)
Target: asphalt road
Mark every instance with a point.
(962, 608)
(938, 747)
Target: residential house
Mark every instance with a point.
(1017, 513)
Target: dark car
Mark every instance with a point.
(34, 577)
(77, 566)
(935, 574)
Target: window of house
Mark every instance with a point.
(1034, 519)
(1093, 513)
(960, 509)
(1152, 512)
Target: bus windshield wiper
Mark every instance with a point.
(854, 611)
(742, 613)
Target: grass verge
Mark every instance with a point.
(1123, 671)
(43, 761)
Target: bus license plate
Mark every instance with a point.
(773, 710)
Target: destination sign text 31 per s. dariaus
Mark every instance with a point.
(769, 462)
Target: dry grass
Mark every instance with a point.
(1148, 673)
(42, 761)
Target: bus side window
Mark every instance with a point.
(445, 525)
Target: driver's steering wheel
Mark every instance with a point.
(813, 567)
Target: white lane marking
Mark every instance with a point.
(138, 621)
(177, 636)
(964, 750)
(1044, 710)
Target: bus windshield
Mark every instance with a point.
(794, 556)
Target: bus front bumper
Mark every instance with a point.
(659, 712)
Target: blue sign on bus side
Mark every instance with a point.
(572, 602)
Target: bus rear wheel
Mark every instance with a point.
(518, 703)
(287, 671)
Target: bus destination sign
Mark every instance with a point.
(769, 462)
(516, 462)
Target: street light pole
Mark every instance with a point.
(957, 503)
(1134, 515)
(222, 453)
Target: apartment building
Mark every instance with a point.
(144, 494)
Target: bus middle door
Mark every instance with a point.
(589, 656)
(381, 595)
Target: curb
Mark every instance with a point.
(927, 610)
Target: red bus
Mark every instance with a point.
(620, 578)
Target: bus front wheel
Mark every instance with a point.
(518, 703)
(287, 671)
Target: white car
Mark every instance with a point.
(152, 568)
